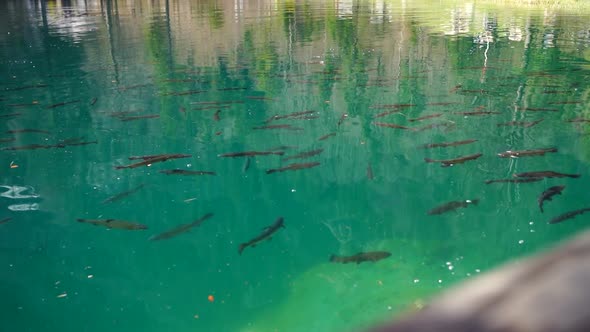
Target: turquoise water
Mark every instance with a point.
(69, 69)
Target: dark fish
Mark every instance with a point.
(547, 194)
(451, 206)
(518, 180)
(93, 101)
(369, 172)
(24, 105)
(186, 172)
(280, 126)
(139, 117)
(267, 233)
(544, 174)
(216, 115)
(231, 89)
(114, 223)
(5, 220)
(371, 256)
(122, 195)
(482, 91)
(136, 86)
(526, 153)
(291, 115)
(446, 103)
(156, 159)
(538, 109)
(303, 155)
(183, 93)
(62, 104)
(214, 107)
(146, 157)
(29, 147)
(251, 153)
(393, 105)
(76, 143)
(220, 102)
(579, 120)
(520, 123)
(455, 88)
(436, 115)
(568, 215)
(7, 139)
(10, 115)
(342, 118)
(391, 125)
(380, 115)
(447, 144)
(259, 98)
(34, 86)
(22, 131)
(246, 165)
(565, 102)
(476, 113)
(326, 136)
(451, 162)
(180, 229)
(293, 167)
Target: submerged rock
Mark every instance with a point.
(548, 292)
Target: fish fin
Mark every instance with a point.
(332, 258)
(120, 167)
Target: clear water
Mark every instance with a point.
(344, 61)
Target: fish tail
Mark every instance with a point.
(332, 258)
(488, 181)
(119, 167)
(573, 175)
(541, 207)
(242, 247)
(428, 160)
(270, 171)
(475, 201)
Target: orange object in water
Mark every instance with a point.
(210, 298)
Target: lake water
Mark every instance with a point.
(364, 86)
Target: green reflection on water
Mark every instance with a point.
(213, 71)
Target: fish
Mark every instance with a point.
(369, 172)
(122, 195)
(9, 115)
(303, 155)
(435, 125)
(214, 107)
(476, 113)
(34, 86)
(451, 206)
(7, 139)
(393, 105)
(183, 93)
(380, 115)
(138, 117)
(568, 215)
(520, 123)
(156, 159)
(186, 172)
(24, 104)
(544, 174)
(342, 118)
(538, 109)
(280, 126)
(526, 153)
(447, 144)
(455, 88)
(547, 194)
(218, 102)
(246, 165)
(136, 86)
(436, 115)
(266, 234)
(371, 256)
(326, 136)
(29, 147)
(290, 115)
(251, 154)
(114, 223)
(391, 125)
(62, 104)
(216, 115)
(579, 120)
(518, 180)
(5, 220)
(293, 167)
(180, 229)
(565, 102)
(21, 131)
(451, 162)
(93, 101)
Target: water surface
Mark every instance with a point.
(101, 81)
